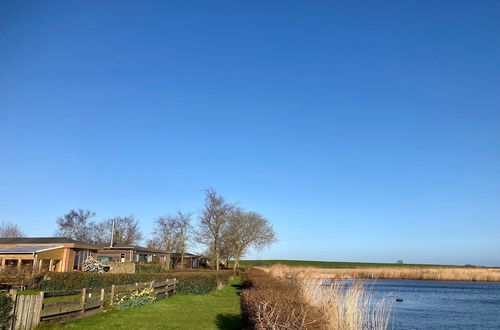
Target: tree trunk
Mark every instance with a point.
(216, 248)
(182, 259)
(237, 261)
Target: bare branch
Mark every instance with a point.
(10, 230)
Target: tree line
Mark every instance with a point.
(224, 229)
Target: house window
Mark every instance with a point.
(122, 257)
(84, 254)
(11, 262)
(76, 259)
(27, 263)
(143, 258)
(55, 265)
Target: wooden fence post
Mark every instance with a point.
(102, 298)
(84, 298)
(152, 284)
(38, 308)
(112, 295)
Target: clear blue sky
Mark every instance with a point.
(365, 131)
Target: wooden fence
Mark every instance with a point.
(31, 310)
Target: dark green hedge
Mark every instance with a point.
(5, 309)
(199, 282)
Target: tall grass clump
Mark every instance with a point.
(286, 301)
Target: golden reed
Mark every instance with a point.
(406, 273)
(342, 306)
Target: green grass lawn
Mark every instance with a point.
(218, 310)
(325, 264)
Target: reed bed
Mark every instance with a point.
(406, 273)
(291, 300)
(348, 306)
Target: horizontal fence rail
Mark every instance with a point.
(32, 310)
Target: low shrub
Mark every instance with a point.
(6, 304)
(188, 282)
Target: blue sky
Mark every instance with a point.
(364, 131)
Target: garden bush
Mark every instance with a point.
(198, 282)
(6, 304)
(92, 265)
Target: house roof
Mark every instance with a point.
(28, 249)
(189, 255)
(68, 242)
(38, 240)
(131, 247)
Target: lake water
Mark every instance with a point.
(442, 305)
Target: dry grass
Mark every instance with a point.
(342, 306)
(270, 303)
(289, 300)
(407, 273)
(348, 307)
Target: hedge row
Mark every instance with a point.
(5, 310)
(199, 282)
(149, 267)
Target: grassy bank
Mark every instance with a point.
(218, 310)
(327, 264)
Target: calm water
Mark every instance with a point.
(443, 305)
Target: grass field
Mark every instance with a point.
(218, 310)
(326, 264)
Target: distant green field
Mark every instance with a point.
(326, 264)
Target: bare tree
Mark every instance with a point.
(164, 235)
(172, 233)
(213, 220)
(247, 230)
(184, 229)
(126, 231)
(10, 230)
(76, 224)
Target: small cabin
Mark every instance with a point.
(132, 253)
(189, 261)
(58, 254)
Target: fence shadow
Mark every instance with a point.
(229, 321)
